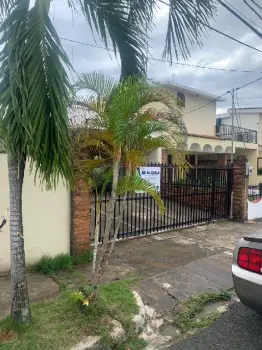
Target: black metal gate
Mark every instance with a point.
(203, 194)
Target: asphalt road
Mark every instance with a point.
(238, 329)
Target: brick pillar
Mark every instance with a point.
(240, 189)
(80, 218)
(222, 159)
(164, 156)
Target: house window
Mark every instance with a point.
(181, 100)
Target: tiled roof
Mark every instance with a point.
(205, 136)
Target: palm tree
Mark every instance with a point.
(34, 95)
(123, 127)
(35, 89)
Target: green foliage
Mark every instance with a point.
(82, 258)
(118, 109)
(35, 91)
(48, 265)
(60, 324)
(186, 320)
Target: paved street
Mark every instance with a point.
(238, 329)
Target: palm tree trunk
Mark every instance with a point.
(109, 221)
(118, 220)
(20, 311)
(97, 226)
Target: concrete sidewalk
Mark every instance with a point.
(171, 266)
(40, 288)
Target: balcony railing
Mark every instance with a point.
(239, 134)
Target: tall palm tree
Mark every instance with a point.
(34, 96)
(124, 125)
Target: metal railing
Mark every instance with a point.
(239, 134)
(254, 192)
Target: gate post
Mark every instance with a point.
(80, 218)
(240, 189)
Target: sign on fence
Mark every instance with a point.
(151, 174)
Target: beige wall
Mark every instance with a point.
(202, 121)
(46, 219)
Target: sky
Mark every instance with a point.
(217, 51)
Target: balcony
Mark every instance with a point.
(239, 134)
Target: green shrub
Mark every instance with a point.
(48, 265)
(82, 258)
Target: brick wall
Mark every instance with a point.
(240, 189)
(80, 218)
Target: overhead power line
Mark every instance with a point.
(217, 98)
(172, 62)
(250, 98)
(250, 20)
(221, 33)
(250, 83)
(207, 104)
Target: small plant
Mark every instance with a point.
(186, 320)
(82, 258)
(48, 265)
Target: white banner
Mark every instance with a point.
(151, 174)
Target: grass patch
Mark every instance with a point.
(186, 320)
(58, 325)
(48, 265)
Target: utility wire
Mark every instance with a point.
(249, 98)
(162, 60)
(250, 20)
(252, 82)
(207, 104)
(219, 32)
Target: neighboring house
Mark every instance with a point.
(247, 128)
(209, 141)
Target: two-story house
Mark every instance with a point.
(247, 128)
(209, 139)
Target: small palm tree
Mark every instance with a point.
(123, 127)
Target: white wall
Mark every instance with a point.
(255, 210)
(46, 219)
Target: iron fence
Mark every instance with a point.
(254, 192)
(200, 195)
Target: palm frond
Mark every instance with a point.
(241, 18)
(183, 28)
(110, 20)
(96, 84)
(6, 6)
(48, 97)
(13, 90)
(135, 183)
(36, 90)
